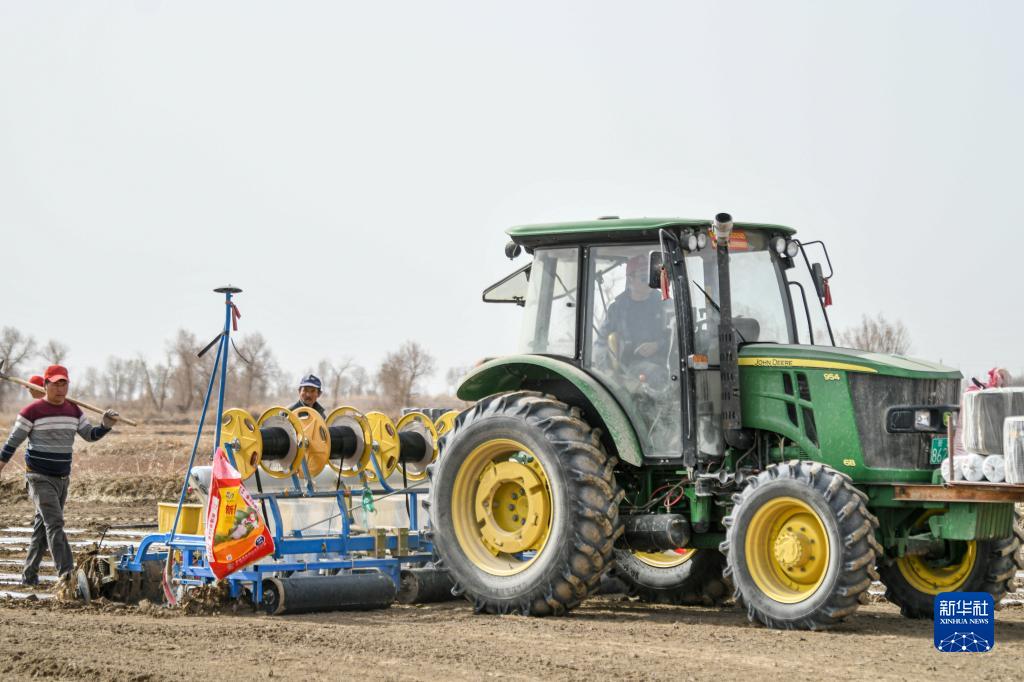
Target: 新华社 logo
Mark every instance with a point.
(964, 622)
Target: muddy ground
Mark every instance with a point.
(119, 480)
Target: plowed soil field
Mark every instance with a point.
(118, 481)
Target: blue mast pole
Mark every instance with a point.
(221, 357)
(226, 346)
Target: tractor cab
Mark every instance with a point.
(636, 304)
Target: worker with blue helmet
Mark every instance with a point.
(310, 388)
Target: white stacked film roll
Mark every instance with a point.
(993, 469)
(973, 467)
(1013, 449)
(983, 414)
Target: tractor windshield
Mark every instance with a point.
(760, 311)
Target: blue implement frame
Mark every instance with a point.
(339, 551)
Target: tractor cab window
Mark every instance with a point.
(632, 344)
(759, 309)
(549, 323)
(510, 289)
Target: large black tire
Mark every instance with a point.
(995, 566)
(697, 581)
(582, 501)
(774, 540)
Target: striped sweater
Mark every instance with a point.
(50, 430)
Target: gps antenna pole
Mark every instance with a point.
(231, 316)
(220, 363)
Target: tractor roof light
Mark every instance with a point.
(702, 240)
(689, 241)
(792, 249)
(778, 245)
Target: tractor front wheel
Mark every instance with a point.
(912, 582)
(524, 505)
(800, 546)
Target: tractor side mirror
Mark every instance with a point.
(819, 279)
(654, 270)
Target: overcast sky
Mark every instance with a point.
(352, 166)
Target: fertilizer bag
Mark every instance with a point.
(236, 534)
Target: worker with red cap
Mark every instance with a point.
(50, 425)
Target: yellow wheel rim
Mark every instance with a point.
(284, 418)
(417, 471)
(318, 440)
(238, 428)
(354, 419)
(502, 507)
(929, 577)
(936, 579)
(668, 559)
(385, 444)
(787, 549)
(446, 422)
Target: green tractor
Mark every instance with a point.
(680, 415)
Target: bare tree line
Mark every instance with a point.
(877, 334)
(178, 380)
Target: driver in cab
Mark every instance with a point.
(634, 330)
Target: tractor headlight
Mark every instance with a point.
(691, 242)
(778, 245)
(792, 248)
(922, 419)
(702, 240)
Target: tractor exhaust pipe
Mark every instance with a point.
(656, 532)
(732, 417)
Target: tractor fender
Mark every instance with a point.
(565, 381)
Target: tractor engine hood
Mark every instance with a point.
(843, 359)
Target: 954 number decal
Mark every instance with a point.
(832, 376)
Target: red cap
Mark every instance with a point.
(56, 373)
(37, 380)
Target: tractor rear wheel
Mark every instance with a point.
(524, 505)
(912, 582)
(691, 577)
(800, 546)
